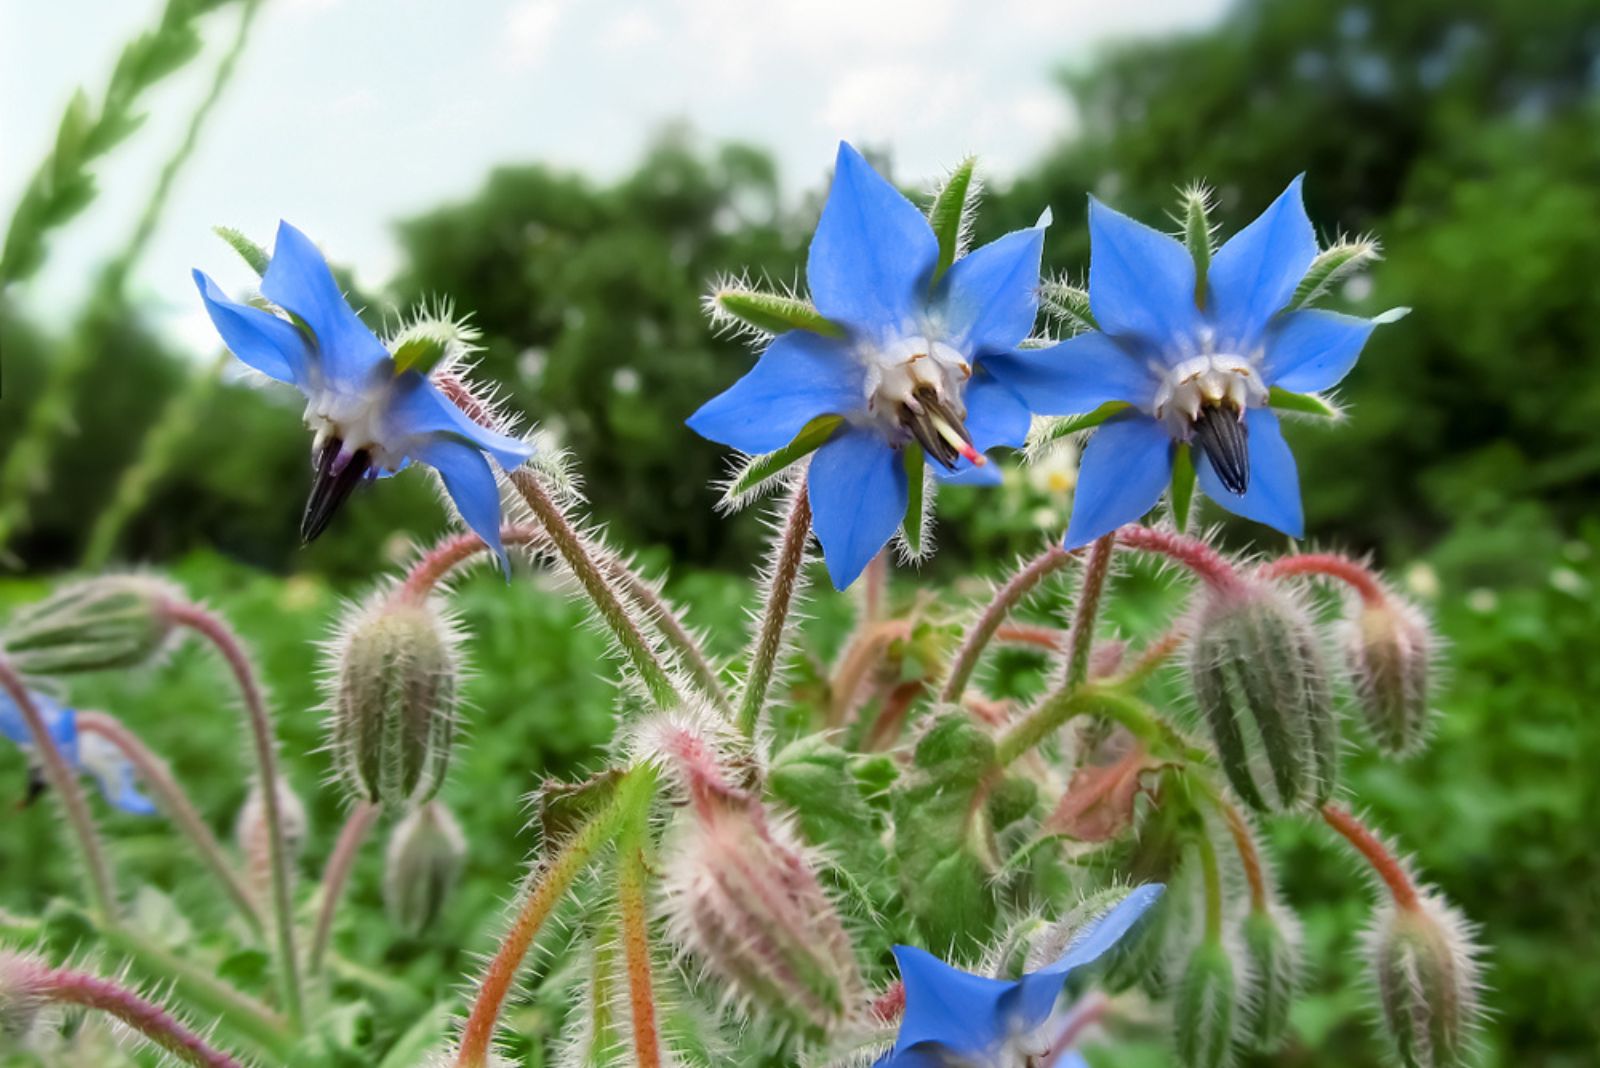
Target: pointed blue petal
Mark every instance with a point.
(1076, 376)
(1036, 994)
(858, 497)
(1256, 272)
(1312, 349)
(115, 774)
(957, 1010)
(1125, 466)
(470, 481)
(1141, 282)
(872, 254)
(298, 279)
(59, 721)
(989, 299)
(265, 342)
(798, 378)
(1274, 494)
(417, 410)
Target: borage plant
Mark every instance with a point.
(887, 865)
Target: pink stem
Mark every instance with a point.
(1373, 851)
(1005, 601)
(340, 861)
(1330, 565)
(1192, 553)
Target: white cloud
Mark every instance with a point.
(530, 29)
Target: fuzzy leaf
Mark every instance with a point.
(1197, 234)
(248, 250)
(916, 487)
(1332, 266)
(1068, 303)
(818, 782)
(950, 211)
(564, 807)
(1050, 431)
(418, 353)
(759, 469)
(772, 313)
(1305, 403)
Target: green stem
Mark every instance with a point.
(632, 879)
(1212, 877)
(1142, 721)
(789, 557)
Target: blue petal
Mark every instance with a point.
(265, 342)
(471, 484)
(1256, 272)
(1076, 376)
(1036, 994)
(798, 378)
(956, 1010)
(1141, 282)
(858, 497)
(995, 417)
(1313, 349)
(1274, 494)
(59, 721)
(298, 280)
(872, 254)
(115, 774)
(417, 409)
(1125, 466)
(990, 298)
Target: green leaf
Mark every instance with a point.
(951, 213)
(817, 780)
(418, 353)
(564, 807)
(1053, 430)
(1305, 403)
(1197, 234)
(916, 487)
(248, 250)
(771, 313)
(1332, 266)
(759, 469)
(71, 136)
(413, 1047)
(1068, 303)
(1182, 486)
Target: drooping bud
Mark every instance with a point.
(100, 624)
(1388, 648)
(1260, 681)
(22, 996)
(395, 673)
(254, 837)
(1272, 951)
(1425, 970)
(424, 861)
(1205, 1008)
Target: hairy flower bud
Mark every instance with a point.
(393, 699)
(1049, 943)
(1205, 1007)
(425, 856)
(1259, 679)
(1272, 950)
(1388, 647)
(254, 836)
(21, 996)
(1425, 970)
(99, 624)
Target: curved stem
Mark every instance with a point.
(1373, 851)
(1006, 599)
(155, 774)
(1211, 876)
(1244, 842)
(632, 875)
(1088, 609)
(335, 876)
(861, 656)
(1329, 565)
(102, 889)
(264, 742)
(1153, 655)
(150, 1020)
(789, 555)
(1192, 553)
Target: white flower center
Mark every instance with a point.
(1215, 380)
(355, 420)
(914, 389)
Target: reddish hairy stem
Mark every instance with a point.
(891, 1004)
(1051, 639)
(636, 949)
(1082, 1016)
(862, 655)
(1244, 841)
(1088, 609)
(789, 555)
(337, 873)
(150, 1020)
(1192, 553)
(1375, 853)
(1005, 601)
(875, 587)
(1330, 565)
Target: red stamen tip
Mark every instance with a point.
(978, 459)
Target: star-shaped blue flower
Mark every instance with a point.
(85, 753)
(909, 371)
(1194, 363)
(955, 1019)
(370, 417)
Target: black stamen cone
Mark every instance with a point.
(1221, 435)
(330, 488)
(920, 424)
(37, 785)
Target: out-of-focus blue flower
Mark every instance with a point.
(910, 370)
(371, 417)
(955, 1019)
(85, 753)
(1194, 363)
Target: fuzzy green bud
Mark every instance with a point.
(100, 624)
(1272, 951)
(1260, 681)
(1388, 648)
(1205, 1008)
(253, 834)
(426, 853)
(396, 670)
(1425, 971)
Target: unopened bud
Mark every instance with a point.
(22, 996)
(1205, 1007)
(1389, 651)
(1259, 678)
(746, 901)
(395, 673)
(1272, 950)
(1051, 942)
(254, 836)
(100, 624)
(425, 856)
(1425, 970)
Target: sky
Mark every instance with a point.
(346, 115)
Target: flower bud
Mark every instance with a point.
(254, 836)
(394, 695)
(1272, 950)
(1259, 679)
(1388, 647)
(99, 624)
(21, 996)
(1051, 942)
(425, 856)
(1204, 1008)
(1425, 971)
(746, 901)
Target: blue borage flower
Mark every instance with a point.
(910, 369)
(955, 1019)
(85, 753)
(372, 415)
(1193, 365)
